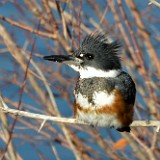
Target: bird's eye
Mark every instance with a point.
(81, 55)
(89, 56)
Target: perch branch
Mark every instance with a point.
(6, 109)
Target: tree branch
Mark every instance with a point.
(15, 112)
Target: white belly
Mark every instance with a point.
(99, 99)
(101, 120)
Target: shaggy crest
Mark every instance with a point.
(105, 54)
(98, 42)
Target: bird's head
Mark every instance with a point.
(95, 57)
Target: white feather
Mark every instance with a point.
(82, 100)
(89, 72)
(102, 98)
(101, 120)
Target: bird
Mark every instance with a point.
(104, 92)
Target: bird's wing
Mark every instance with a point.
(127, 87)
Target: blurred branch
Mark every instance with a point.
(49, 12)
(6, 109)
(154, 2)
(11, 153)
(142, 69)
(20, 96)
(28, 28)
(12, 47)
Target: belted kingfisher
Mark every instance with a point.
(104, 93)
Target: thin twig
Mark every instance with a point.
(42, 125)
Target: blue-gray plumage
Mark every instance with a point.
(104, 94)
(122, 82)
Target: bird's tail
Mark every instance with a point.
(124, 129)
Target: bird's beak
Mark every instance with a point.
(70, 60)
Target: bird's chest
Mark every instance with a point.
(94, 101)
(93, 93)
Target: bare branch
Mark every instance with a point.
(45, 118)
